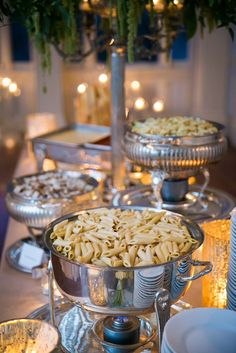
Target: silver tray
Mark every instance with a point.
(14, 251)
(218, 203)
(76, 144)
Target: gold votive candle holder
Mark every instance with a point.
(216, 248)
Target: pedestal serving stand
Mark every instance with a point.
(171, 160)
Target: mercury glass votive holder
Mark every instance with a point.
(28, 336)
(216, 248)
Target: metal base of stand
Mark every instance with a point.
(14, 251)
(66, 312)
(75, 326)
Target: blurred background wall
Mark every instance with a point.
(199, 79)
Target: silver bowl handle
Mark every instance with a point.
(200, 197)
(207, 269)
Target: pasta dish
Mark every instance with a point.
(55, 184)
(128, 237)
(174, 126)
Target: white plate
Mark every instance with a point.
(165, 348)
(152, 272)
(202, 330)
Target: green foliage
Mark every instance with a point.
(209, 14)
(47, 21)
(57, 22)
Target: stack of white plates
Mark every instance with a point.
(231, 283)
(146, 283)
(201, 330)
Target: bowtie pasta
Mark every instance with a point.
(174, 126)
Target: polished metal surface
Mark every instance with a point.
(118, 115)
(38, 214)
(62, 306)
(213, 204)
(147, 334)
(57, 146)
(162, 309)
(74, 326)
(28, 335)
(111, 290)
(174, 190)
(178, 157)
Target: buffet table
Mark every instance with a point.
(20, 294)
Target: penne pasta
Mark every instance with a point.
(61, 242)
(77, 250)
(159, 253)
(60, 225)
(115, 237)
(186, 247)
(98, 262)
(67, 248)
(126, 259)
(132, 254)
(70, 255)
(96, 249)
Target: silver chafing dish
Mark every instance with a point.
(39, 213)
(80, 144)
(120, 290)
(178, 157)
(171, 160)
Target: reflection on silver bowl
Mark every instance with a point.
(111, 290)
(179, 157)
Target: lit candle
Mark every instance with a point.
(5, 82)
(158, 105)
(103, 78)
(135, 85)
(82, 87)
(140, 103)
(216, 249)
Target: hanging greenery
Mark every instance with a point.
(63, 22)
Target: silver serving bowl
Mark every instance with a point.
(117, 290)
(178, 157)
(37, 213)
(28, 335)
